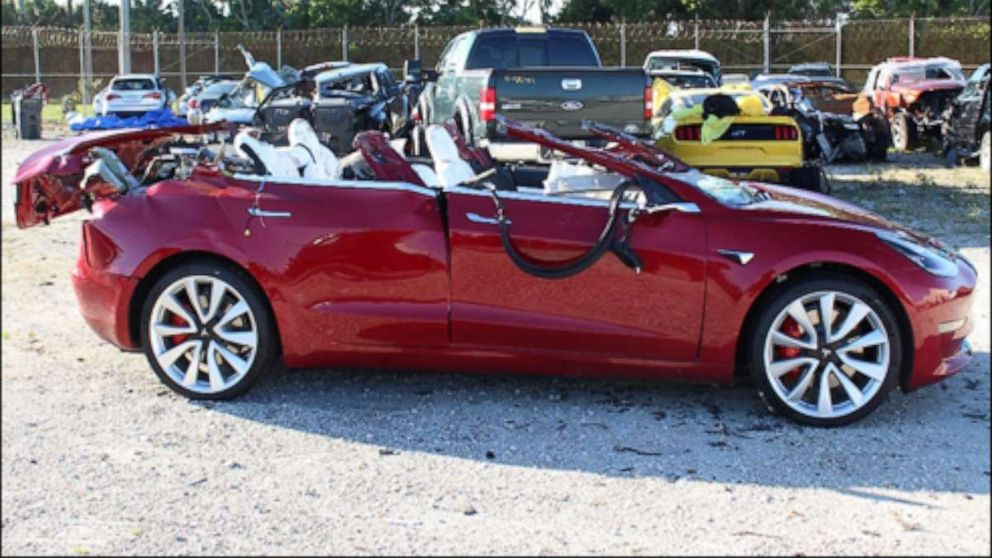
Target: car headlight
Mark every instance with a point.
(929, 258)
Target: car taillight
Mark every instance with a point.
(487, 104)
(415, 115)
(100, 250)
(692, 132)
(153, 95)
(786, 133)
(193, 103)
(112, 96)
(648, 103)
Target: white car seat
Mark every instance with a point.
(323, 163)
(451, 169)
(566, 177)
(275, 163)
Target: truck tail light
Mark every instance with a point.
(691, 132)
(487, 104)
(415, 115)
(153, 95)
(648, 103)
(112, 96)
(786, 133)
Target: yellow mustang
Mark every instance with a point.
(751, 144)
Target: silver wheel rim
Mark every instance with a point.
(826, 354)
(203, 334)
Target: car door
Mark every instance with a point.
(362, 262)
(608, 309)
(444, 88)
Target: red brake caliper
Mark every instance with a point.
(792, 329)
(176, 320)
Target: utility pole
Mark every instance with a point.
(124, 43)
(182, 44)
(87, 53)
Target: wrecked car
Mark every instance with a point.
(966, 121)
(338, 98)
(686, 69)
(914, 93)
(837, 122)
(339, 103)
(216, 265)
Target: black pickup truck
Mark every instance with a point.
(548, 78)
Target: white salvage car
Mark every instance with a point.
(133, 95)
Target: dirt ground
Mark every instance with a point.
(99, 457)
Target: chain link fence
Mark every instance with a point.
(59, 58)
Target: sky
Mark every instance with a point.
(534, 15)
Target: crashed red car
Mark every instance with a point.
(615, 261)
(913, 93)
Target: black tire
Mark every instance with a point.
(267, 347)
(778, 301)
(904, 132)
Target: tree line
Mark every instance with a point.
(255, 15)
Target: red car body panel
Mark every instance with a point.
(393, 274)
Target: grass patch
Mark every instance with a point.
(51, 113)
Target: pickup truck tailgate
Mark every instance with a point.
(558, 99)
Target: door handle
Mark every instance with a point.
(256, 212)
(476, 218)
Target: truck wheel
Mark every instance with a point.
(983, 152)
(903, 132)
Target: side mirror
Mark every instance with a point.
(412, 70)
(430, 74)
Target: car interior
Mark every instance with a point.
(450, 164)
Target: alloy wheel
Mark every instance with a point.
(827, 354)
(203, 334)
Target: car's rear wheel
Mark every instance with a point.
(983, 153)
(903, 132)
(825, 352)
(207, 331)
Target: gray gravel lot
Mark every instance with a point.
(99, 457)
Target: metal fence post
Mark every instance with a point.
(37, 56)
(155, 50)
(912, 35)
(182, 43)
(838, 31)
(344, 43)
(83, 87)
(216, 51)
(124, 42)
(623, 43)
(695, 33)
(416, 42)
(279, 47)
(766, 39)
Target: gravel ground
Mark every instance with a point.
(99, 457)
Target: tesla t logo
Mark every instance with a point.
(571, 105)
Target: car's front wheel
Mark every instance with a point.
(903, 132)
(826, 351)
(206, 331)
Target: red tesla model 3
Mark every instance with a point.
(614, 261)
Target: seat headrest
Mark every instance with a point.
(440, 143)
(301, 132)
